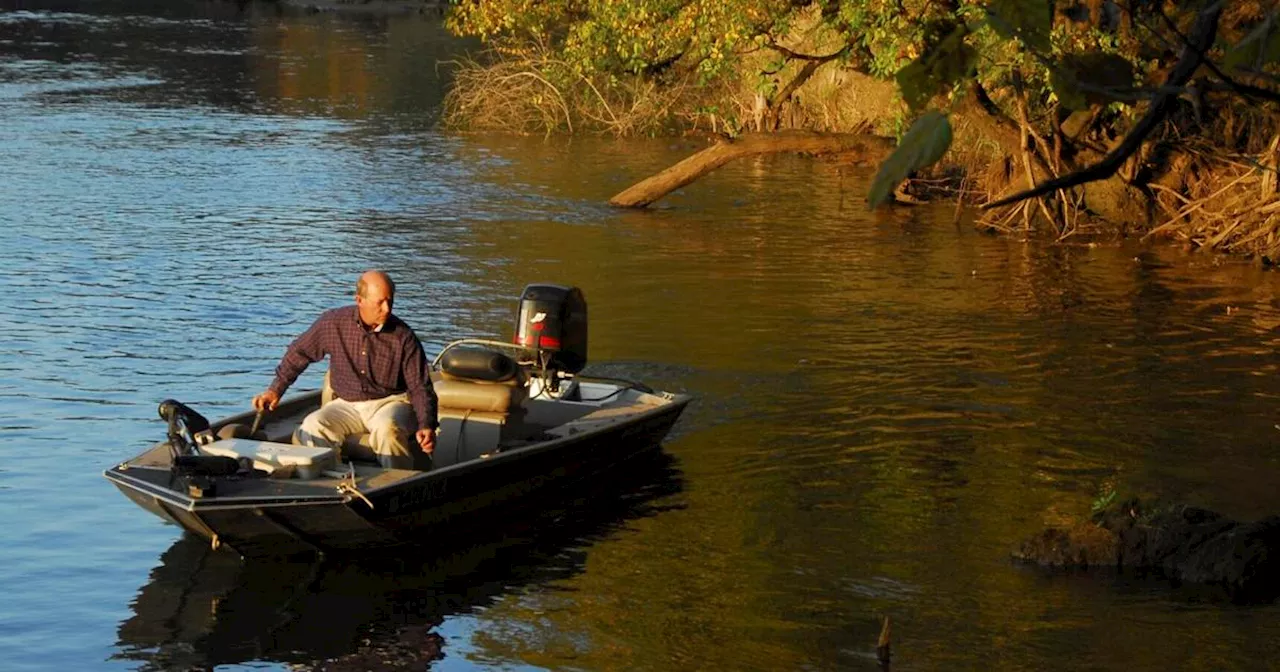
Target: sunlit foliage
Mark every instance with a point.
(623, 37)
(1029, 64)
(928, 45)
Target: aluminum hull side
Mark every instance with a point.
(434, 505)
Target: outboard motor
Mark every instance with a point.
(552, 322)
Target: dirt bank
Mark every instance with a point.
(379, 7)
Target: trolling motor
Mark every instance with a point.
(551, 323)
(183, 424)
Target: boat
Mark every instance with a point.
(203, 609)
(519, 422)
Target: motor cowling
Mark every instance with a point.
(552, 321)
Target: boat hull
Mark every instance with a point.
(445, 504)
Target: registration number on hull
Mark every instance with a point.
(418, 497)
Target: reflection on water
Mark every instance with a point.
(886, 403)
(202, 608)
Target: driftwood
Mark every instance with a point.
(856, 147)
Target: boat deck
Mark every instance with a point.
(544, 422)
(152, 467)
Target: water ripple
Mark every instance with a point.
(883, 402)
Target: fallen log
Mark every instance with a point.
(853, 147)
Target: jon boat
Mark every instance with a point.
(517, 422)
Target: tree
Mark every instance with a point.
(1072, 95)
(1084, 76)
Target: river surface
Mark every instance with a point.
(886, 403)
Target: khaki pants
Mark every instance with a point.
(389, 422)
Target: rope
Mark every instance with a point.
(347, 486)
(349, 489)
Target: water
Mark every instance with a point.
(886, 403)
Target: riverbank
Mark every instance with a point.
(1109, 128)
(373, 7)
(887, 402)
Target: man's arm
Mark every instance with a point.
(422, 394)
(303, 351)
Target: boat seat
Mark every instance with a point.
(474, 416)
(474, 395)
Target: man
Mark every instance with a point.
(379, 375)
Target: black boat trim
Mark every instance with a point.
(246, 503)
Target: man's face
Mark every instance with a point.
(375, 305)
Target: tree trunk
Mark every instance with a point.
(854, 147)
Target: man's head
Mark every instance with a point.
(375, 294)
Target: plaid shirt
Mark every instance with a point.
(363, 364)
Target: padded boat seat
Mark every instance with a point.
(467, 395)
(474, 416)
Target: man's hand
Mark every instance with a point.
(426, 440)
(267, 401)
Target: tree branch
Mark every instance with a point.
(785, 94)
(1246, 90)
(1205, 28)
(989, 106)
(807, 57)
(863, 146)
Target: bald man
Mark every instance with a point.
(379, 375)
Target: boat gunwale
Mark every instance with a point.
(670, 402)
(189, 503)
(677, 401)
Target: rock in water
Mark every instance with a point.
(1178, 542)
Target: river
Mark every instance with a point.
(886, 403)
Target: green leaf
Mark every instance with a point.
(1260, 47)
(1027, 20)
(916, 83)
(1081, 80)
(958, 65)
(925, 143)
(1067, 89)
(939, 67)
(1103, 501)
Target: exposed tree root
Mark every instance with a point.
(1230, 204)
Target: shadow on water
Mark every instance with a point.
(204, 608)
